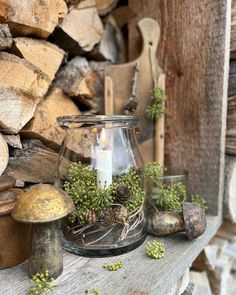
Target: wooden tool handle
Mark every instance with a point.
(150, 32)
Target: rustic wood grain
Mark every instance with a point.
(105, 6)
(233, 27)
(81, 29)
(33, 163)
(32, 17)
(22, 86)
(5, 37)
(44, 125)
(231, 126)
(112, 45)
(230, 189)
(232, 78)
(46, 56)
(194, 35)
(140, 275)
(4, 154)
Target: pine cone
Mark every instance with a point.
(122, 194)
(120, 214)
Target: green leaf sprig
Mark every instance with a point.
(199, 201)
(156, 109)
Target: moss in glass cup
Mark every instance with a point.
(166, 187)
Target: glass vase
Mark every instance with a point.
(101, 168)
(167, 191)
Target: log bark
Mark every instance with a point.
(112, 45)
(32, 17)
(105, 6)
(33, 163)
(44, 55)
(22, 86)
(85, 81)
(232, 78)
(5, 37)
(81, 29)
(44, 125)
(230, 189)
(4, 154)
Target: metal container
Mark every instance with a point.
(15, 238)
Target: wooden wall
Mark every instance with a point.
(194, 53)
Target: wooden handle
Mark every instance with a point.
(150, 32)
(109, 98)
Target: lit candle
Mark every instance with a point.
(104, 162)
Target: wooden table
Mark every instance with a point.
(140, 274)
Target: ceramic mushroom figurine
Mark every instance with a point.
(42, 205)
(192, 221)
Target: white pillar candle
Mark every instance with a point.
(104, 163)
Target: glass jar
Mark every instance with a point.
(101, 168)
(166, 191)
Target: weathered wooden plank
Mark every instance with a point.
(139, 274)
(195, 34)
(233, 27)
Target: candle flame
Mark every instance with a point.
(103, 136)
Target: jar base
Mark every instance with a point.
(102, 252)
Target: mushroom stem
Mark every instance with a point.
(165, 223)
(47, 253)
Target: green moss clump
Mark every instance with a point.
(41, 283)
(154, 170)
(169, 198)
(156, 109)
(133, 182)
(81, 185)
(114, 266)
(199, 201)
(155, 250)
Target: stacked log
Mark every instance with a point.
(218, 260)
(52, 60)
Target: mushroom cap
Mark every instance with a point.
(195, 220)
(42, 203)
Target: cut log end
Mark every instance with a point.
(81, 29)
(32, 17)
(4, 154)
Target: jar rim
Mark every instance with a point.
(69, 121)
(174, 173)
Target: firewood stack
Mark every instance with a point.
(218, 259)
(52, 60)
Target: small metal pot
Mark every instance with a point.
(15, 237)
